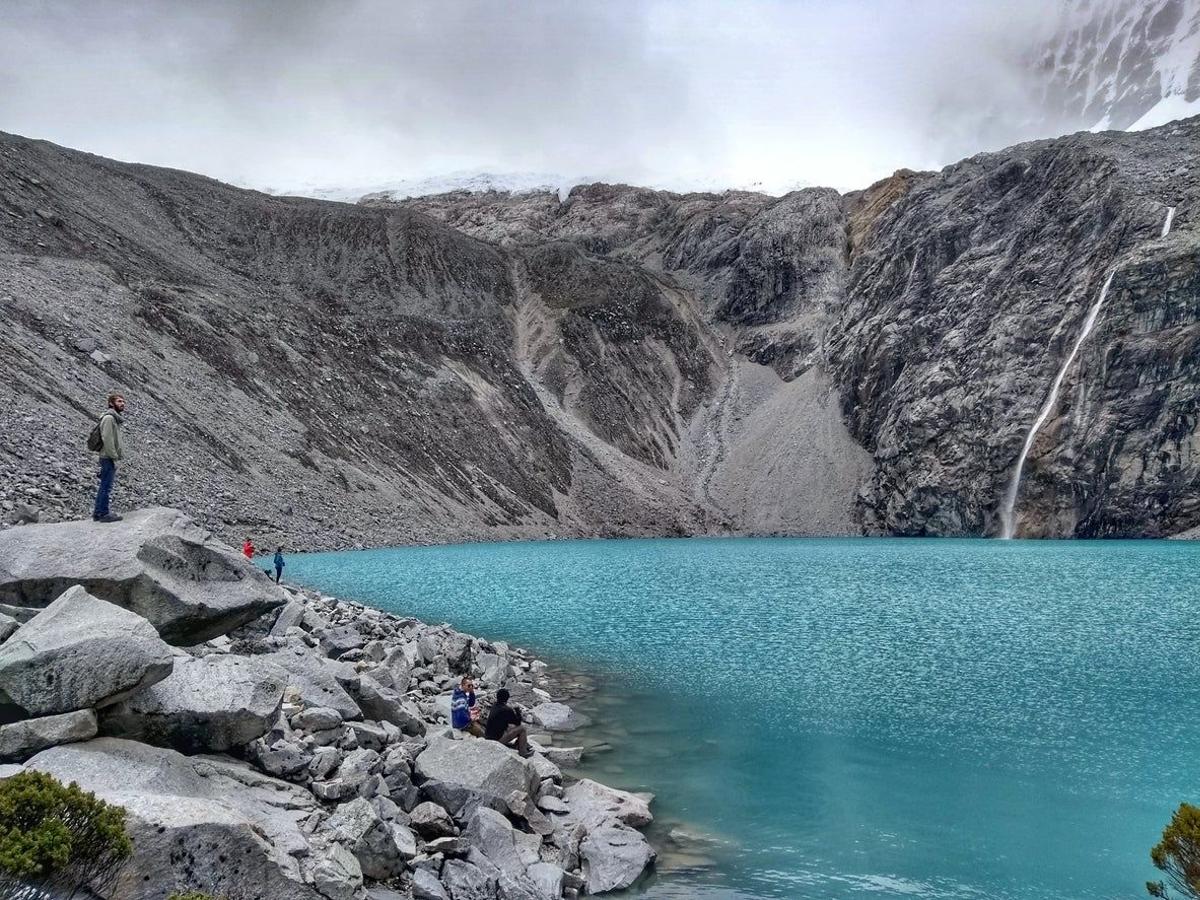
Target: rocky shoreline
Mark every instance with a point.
(274, 742)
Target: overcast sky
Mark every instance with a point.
(289, 93)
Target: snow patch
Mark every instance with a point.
(1168, 109)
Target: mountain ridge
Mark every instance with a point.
(624, 362)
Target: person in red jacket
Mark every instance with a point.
(248, 549)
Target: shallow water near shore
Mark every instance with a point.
(855, 718)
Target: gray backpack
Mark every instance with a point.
(95, 440)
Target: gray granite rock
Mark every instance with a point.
(156, 562)
(385, 705)
(494, 836)
(7, 626)
(79, 653)
(315, 680)
(558, 717)
(594, 804)
(210, 704)
(425, 886)
(21, 740)
(199, 822)
(317, 718)
(484, 766)
(614, 857)
(464, 881)
(431, 821)
(336, 874)
(374, 842)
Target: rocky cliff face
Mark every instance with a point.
(624, 361)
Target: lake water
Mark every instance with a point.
(857, 718)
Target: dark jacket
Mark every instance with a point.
(498, 721)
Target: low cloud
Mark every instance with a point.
(287, 94)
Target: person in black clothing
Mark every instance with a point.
(504, 725)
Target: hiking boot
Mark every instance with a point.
(111, 517)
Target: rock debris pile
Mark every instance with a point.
(269, 742)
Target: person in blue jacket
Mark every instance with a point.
(278, 564)
(462, 702)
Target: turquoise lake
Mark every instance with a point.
(861, 717)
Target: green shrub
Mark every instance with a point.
(193, 895)
(1178, 854)
(58, 836)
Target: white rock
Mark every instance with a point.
(558, 717)
(79, 653)
(485, 766)
(595, 804)
(210, 704)
(211, 824)
(21, 740)
(156, 562)
(614, 857)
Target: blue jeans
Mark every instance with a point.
(108, 474)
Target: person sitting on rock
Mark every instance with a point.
(463, 711)
(248, 549)
(504, 725)
(278, 564)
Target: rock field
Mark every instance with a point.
(287, 744)
(621, 362)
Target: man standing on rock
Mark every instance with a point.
(111, 452)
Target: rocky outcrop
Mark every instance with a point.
(80, 652)
(314, 679)
(159, 564)
(196, 823)
(21, 740)
(619, 361)
(484, 766)
(558, 717)
(235, 770)
(211, 704)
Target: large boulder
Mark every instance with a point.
(7, 626)
(214, 703)
(425, 886)
(595, 804)
(316, 679)
(337, 874)
(493, 669)
(78, 653)
(465, 881)
(494, 836)
(380, 847)
(558, 717)
(21, 740)
(156, 562)
(196, 823)
(385, 705)
(614, 857)
(484, 766)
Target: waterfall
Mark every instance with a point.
(1007, 510)
(1167, 224)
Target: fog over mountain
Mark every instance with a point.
(1006, 344)
(316, 97)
